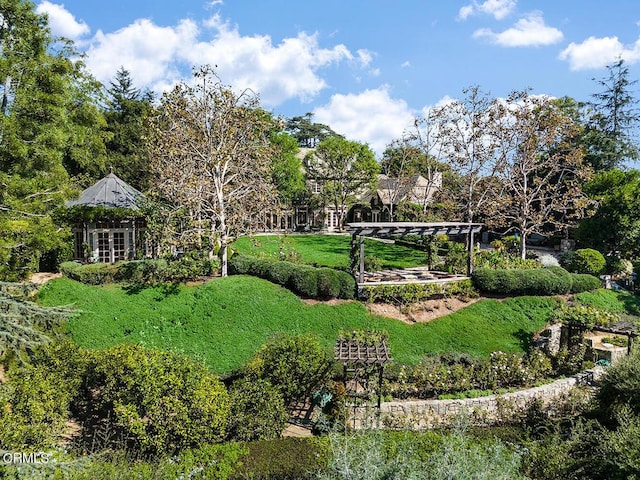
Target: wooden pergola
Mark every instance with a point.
(361, 230)
(358, 355)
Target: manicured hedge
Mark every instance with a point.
(191, 266)
(539, 281)
(304, 280)
(582, 282)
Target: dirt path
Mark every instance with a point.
(420, 312)
(41, 278)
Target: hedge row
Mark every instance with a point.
(147, 272)
(416, 292)
(304, 280)
(539, 281)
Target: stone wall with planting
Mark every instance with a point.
(423, 414)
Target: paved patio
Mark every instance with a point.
(408, 276)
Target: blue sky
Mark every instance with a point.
(365, 68)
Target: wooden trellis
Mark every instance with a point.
(358, 357)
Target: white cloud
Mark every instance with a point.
(405, 64)
(529, 31)
(372, 117)
(364, 57)
(465, 12)
(499, 9)
(599, 52)
(61, 21)
(146, 50)
(158, 56)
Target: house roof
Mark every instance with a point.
(415, 189)
(109, 192)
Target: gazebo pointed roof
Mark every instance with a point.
(109, 192)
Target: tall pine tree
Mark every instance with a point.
(127, 110)
(48, 117)
(612, 117)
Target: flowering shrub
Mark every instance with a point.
(438, 375)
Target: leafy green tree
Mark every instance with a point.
(343, 169)
(615, 225)
(287, 169)
(307, 133)
(295, 364)
(611, 117)
(257, 410)
(127, 111)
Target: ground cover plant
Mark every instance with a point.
(327, 250)
(224, 322)
(611, 301)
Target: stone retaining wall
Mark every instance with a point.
(422, 414)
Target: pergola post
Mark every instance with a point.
(361, 272)
(353, 254)
(470, 252)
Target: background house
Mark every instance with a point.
(381, 204)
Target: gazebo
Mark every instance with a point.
(110, 230)
(361, 230)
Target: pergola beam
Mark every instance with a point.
(371, 229)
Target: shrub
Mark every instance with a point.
(91, 274)
(347, 285)
(295, 364)
(304, 281)
(455, 260)
(540, 281)
(372, 263)
(66, 267)
(585, 315)
(193, 264)
(329, 284)
(547, 260)
(144, 272)
(586, 260)
(160, 402)
(281, 272)
(284, 459)
(582, 282)
(503, 260)
(35, 407)
(412, 293)
(257, 410)
(618, 266)
(620, 386)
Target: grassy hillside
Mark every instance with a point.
(226, 320)
(328, 250)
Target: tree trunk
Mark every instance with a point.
(523, 245)
(223, 255)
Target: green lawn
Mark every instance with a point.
(223, 322)
(616, 302)
(328, 250)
